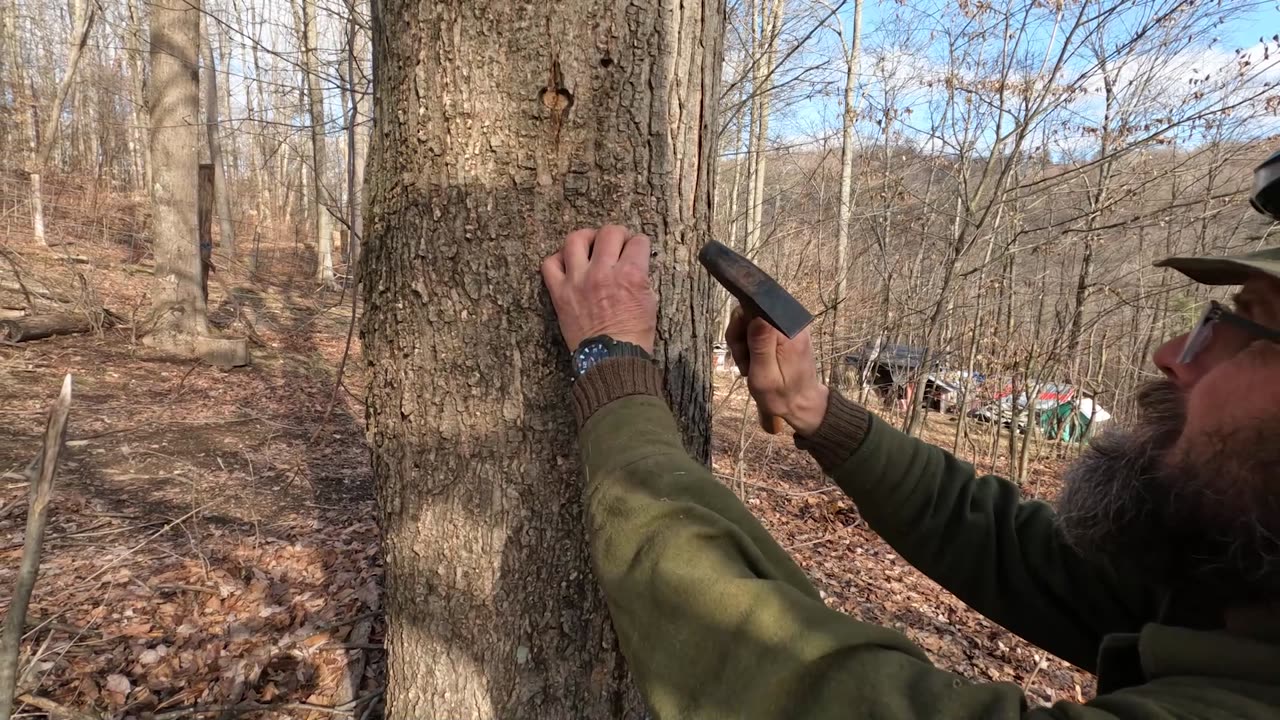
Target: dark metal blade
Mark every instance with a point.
(758, 293)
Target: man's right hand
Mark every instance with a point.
(781, 374)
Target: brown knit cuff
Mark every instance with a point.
(844, 427)
(612, 379)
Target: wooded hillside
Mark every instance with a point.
(968, 195)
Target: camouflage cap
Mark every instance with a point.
(1227, 269)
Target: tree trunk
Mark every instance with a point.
(849, 119)
(724, 300)
(174, 104)
(309, 35)
(204, 224)
(265, 180)
(226, 232)
(44, 141)
(352, 72)
(491, 608)
(762, 78)
(18, 88)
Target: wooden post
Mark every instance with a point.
(205, 223)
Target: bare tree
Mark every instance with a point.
(177, 303)
(308, 38)
(849, 119)
(220, 190)
(85, 12)
(491, 608)
(137, 85)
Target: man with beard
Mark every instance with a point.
(1160, 572)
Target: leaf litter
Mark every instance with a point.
(202, 554)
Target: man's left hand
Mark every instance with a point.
(599, 285)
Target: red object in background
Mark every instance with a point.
(1050, 393)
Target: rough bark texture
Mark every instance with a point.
(501, 126)
(226, 232)
(204, 224)
(174, 107)
(315, 102)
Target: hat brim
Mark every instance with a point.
(1217, 271)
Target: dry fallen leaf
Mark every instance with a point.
(117, 683)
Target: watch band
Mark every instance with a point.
(597, 349)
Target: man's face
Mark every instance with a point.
(1191, 493)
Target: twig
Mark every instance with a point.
(358, 641)
(780, 491)
(178, 390)
(316, 630)
(342, 366)
(149, 423)
(42, 472)
(18, 276)
(34, 624)
(368, 711)
(140, 545)
(55, 710)
(824, 538)
(1040, 662)
(187, 588)
(244, 707)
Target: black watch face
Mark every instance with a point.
(587, 356)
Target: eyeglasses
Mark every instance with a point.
(1200, 336)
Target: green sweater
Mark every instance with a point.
(717, 621)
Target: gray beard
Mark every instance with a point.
(1201, 515)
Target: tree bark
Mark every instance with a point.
(226, 233)
(44, 141)
(310, 37)
(492, 612)
(353, 76)
(137, 85)
(762, 77)
(849, 118)
(174, 104)
(204, 224)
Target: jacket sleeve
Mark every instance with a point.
(975, 536)
(714, 618)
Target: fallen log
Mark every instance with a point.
(36, 327)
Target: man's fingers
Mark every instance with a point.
(608, 245)
(735, 335)
(577, 248)
(552, 270)
(636, 251)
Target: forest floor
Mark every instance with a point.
(210, 525)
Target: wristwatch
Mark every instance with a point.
(597, 349)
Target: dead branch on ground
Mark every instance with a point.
(41, 473)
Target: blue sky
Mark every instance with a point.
(820, 116)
